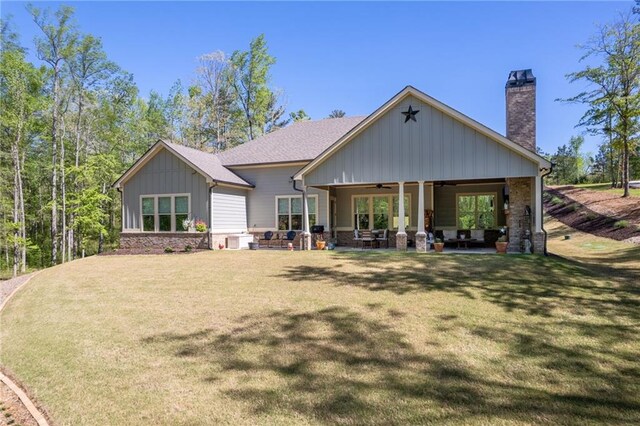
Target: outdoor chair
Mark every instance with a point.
(478, 235)
(356, 237)
(291, 235)
(383, 238)
(267, 237)
(367, 239)
(449, 234)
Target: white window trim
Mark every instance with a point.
(370, 196)
(478, 194)
(156, 221)
(289, 197)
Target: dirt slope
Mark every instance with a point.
(596, 212)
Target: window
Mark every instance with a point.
(374, 211)
(476, 211)
(164, 213)
(380, 212)
(396, 211)
(181, 210)
(361, 212)
(289, 212)
(148, 214)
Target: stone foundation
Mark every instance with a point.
(538, 242)
(421, 242)
(176, 240)
(401, 241)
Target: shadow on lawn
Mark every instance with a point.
(533, 284)
(337, 365)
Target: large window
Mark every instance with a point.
(476, 211)
(374, 211)
(164, 213)
(289, 212)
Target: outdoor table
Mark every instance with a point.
(462, 241)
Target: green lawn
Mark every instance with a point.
(276, 337)
(606, 187)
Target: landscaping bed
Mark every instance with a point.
(12, 411)
(598, 213)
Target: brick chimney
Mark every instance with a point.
(520, 93)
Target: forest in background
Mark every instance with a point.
(71, 124)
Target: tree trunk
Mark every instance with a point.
(625, 169)
(63, 194)
(16, 232)
(54, 175)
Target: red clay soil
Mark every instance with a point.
(595, 212)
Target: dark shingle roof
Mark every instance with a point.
(301, 141)
(208, 163)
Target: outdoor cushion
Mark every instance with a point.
(450, 234)
(477, 234)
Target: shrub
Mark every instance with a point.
(502, 239)
(591, 216)
(188, 248)
(168, 250)
(556, 201)
(621, 224)
(575, 207)
(201, 226)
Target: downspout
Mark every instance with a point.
(542, 208)
(209, 210)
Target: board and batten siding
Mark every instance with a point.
(228, 210)
(435, 147)
(270, 182)
(164, 174)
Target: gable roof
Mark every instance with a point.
(208, 165)
(301, 141)
(412, 91)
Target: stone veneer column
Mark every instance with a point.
(421, 236)
(519, 197)
(401, 236)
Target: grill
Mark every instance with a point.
(317, 229)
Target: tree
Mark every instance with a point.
(54, 47)
(21, 89)
(299, 115)
(614, 99)
(250, 82)
(337, 113)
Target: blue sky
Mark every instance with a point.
(355, 56)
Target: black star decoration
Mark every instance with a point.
(410, 114)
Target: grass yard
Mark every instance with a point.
(276, 337)
(606, 187)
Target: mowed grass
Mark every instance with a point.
(276, 337)
(606, 187)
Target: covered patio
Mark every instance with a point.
(439, 174)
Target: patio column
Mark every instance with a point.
(306, 234)
(401, 235)
(421, 236)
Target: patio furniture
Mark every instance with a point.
(356, 237)
(384, 237)
(461, 242)
(268, 236)
(367, 239)
(449, 234)
(291, 235)
(478, 235)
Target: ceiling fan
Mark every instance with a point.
(379, 186)
(443, 183)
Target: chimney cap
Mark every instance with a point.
(521, 78)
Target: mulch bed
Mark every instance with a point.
(578, 216)
(12, 411)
